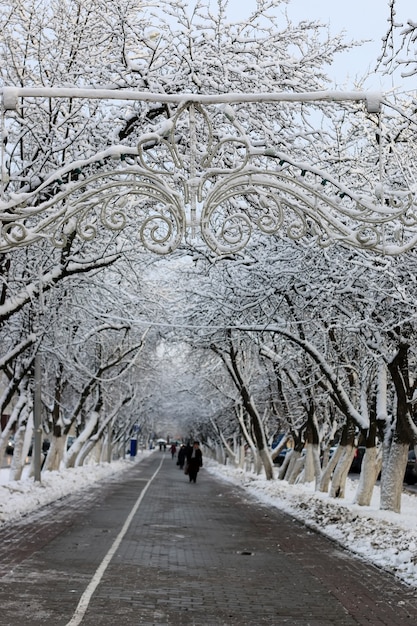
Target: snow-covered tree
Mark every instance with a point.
(133, 165)
(398, 49)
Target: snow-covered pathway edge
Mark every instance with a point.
(18, 498)
(388, 540)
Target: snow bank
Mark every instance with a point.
(20, 497)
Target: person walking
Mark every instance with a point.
(194, 461)
(181, 456)
(173, 450)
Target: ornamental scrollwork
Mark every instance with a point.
(201, 177)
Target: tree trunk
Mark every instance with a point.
(392, 478)
(70, 457)
(371, 466)
(283, 470)
(55, 453)
(262, 452)
(18, 461)
(98, 451)
(338, 485)
(312, 463)
(89, 447)
(312, 469)
(256, 421)
(219, 454)
(328, 470)
(241, 455)
(294, 467)
(297, 472)
(4, 439)
(22, 442)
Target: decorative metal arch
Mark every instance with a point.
(214, 186)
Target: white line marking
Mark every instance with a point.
(98, 575)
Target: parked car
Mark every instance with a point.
(410, 476)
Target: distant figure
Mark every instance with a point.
(181, 456)
(173, 450)
(194, 461)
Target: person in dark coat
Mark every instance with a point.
(194, 461)
(181, 456)
(173, 450)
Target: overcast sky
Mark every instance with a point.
(361, 19)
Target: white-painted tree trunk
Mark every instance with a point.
(4, 438)
(55, 453)
(312, 470)
(97, 450)
(338, 484)
(219, 455)
(283, 470)
(329, 469)
(393, 477)
(241, 456)
(370, 468)
(70, 456)
(18, 460)
(22, 441)
(295, 467)
(266, 463)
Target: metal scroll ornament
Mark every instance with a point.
(199, 179)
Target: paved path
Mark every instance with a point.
(200, 555)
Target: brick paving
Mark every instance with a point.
(195, 554)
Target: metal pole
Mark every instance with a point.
(37, 420)
(109, 442)
(11, 95)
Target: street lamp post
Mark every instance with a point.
(37, 419)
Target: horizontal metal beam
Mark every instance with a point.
(11, 95)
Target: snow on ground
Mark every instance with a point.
(20, 497)
(388, 540)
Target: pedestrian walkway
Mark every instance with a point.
(148, 548)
